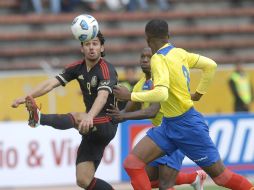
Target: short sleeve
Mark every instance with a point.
(66, 76)
(160, 72)
(69, 73)
(107, 77)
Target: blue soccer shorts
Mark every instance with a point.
(173, 161)
(188, 133)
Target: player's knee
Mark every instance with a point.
(83, 181)
(223, 178)
(133, 162)
(75, 116)
(165, 184)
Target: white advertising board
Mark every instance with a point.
(46, 156)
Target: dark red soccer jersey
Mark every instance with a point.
(102, 76)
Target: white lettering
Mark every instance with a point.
(243, 127)
(221, 132)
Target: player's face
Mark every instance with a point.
(145, 60)
(92, 49)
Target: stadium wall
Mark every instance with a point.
(46, 156)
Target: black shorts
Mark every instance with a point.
(93, 144)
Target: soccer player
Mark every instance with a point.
(182, 126)
(96, 78)
(159, 170)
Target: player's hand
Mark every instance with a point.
(86, 124)
(115, 113)
(196, 96)
(17, 102)
(122, 93)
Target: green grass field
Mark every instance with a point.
(206, 187)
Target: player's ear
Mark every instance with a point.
(81, 47)
(102, 49)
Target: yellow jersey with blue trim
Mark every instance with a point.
(144, 85)
(170, 68)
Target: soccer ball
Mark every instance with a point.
(84, 27)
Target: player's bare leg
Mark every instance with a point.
(85, 173)
(144, 152)
(226, 178)
(85, 177)
(153, 174)
(167, 176)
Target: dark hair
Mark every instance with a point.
(102, 41)
(157, 28)
(101, 37)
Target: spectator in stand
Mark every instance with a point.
(84, 5)
(116, 5)
(55, 6)
(241, 89)
(236, 3)
(132, 5)
(69, 5)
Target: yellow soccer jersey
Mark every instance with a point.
(175, 64)
(145, 85)
(170, 74)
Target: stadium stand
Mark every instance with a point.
(28, 39)
(9, 3)
(133, 32)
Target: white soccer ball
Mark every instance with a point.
(84, 27)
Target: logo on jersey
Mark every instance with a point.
(148, 85)
(104, 83)
(81, 77)
(94, 81)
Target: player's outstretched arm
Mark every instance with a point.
(38, 91)
(158, 94)
(131, 106)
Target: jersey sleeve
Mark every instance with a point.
(107, 77)
(160, 73)
(192, 59)
(160, 77)
(67, 75)
(208, 67)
